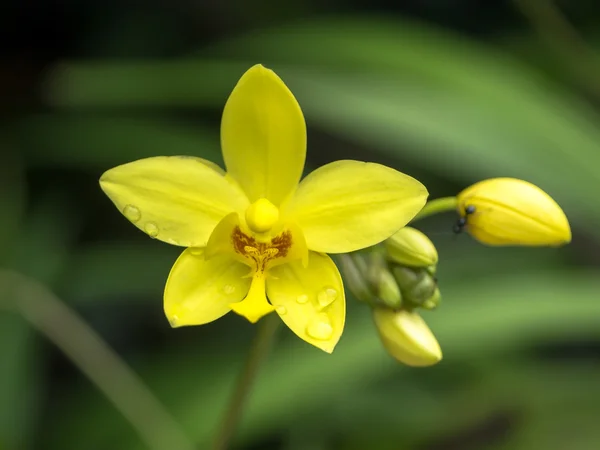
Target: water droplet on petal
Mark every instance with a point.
(172, 241)
(319, 327)
(152, 229)
(174, 320)
(326, 296)
(229, 289)
(281, 310)
(132, 213)
(196, 251)
(302, 299)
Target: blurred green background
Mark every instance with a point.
(449, 91)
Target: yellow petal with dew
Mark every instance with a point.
(199, 291)
(407, 338)
(255, 305)
(509, 211)
(310, 300)
(348, 205)
(263, 136)
(176, 199)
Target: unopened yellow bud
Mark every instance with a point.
(407, 338)
(410, 247)
(508, 211)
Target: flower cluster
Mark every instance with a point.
(397, 278)
(256, 235)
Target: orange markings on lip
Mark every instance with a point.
(261, 252)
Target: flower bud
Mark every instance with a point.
(407, 277)
(416, 285)
(354, 267)
(388, 290)
(407, 338)
(382, 283)
(508, 211)
(423, 290)
(434, 301)
(410, 247)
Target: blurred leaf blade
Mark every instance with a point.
(108, 84)
(417, 93)
(96, 272)
(516, 309)
(100, 142)
(13, 198)
(47, 231)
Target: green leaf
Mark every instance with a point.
(96, 272)
(20, 381)
(101, 142)
(40, 247)
(510, 312)
(149, 83)
(12, 198)
(465, 110)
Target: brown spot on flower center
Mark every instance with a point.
(261, 252)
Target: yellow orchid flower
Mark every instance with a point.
(257, 238)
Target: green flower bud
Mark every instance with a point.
(381, 282)
(410, 247)
(407, 338)
(388, 290)
(354, 267)
(406, 277)
(434, 301)
(416, 285)
(423, 290)
(431, 270)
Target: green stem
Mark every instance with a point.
(439, 205)
(259, 350)
(85, 348)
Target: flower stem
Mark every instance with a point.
(85, 348)
(439, 205)
(259, 350)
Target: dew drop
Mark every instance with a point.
(281, 310)
(302, 299)
(132, 213)
(174, 320)
(229, 289)
(319, 327)
(152, 229)
(196, 251)
(172, 241)
(326, 296)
